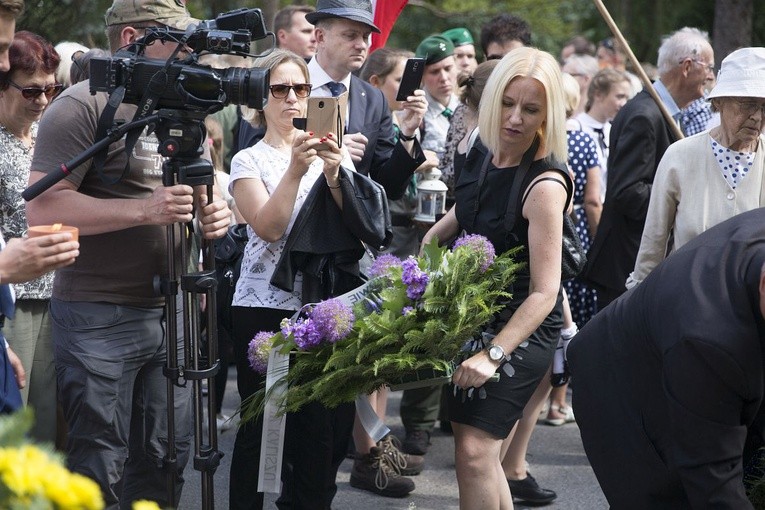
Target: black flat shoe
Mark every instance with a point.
(529, 490)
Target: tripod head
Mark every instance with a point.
(181, 135)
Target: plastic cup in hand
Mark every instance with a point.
(57, 228)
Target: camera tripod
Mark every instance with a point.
(180, 135)
(180, 138)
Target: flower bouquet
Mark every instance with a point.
(413, 317)
(33, 477)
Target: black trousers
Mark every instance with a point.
(316, 438)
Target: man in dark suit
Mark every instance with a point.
(342, 39)
(669, 388)
(639, 137)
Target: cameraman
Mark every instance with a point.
(108, 321)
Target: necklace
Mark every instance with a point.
(275, 146)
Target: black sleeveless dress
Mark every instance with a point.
(496, 406)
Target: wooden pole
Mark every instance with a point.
(638, 68)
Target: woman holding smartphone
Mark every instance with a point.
(270, 183)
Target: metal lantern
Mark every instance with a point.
(431, 197)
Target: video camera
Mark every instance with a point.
(173, 96)
(186, 84)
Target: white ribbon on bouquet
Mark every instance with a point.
(272, 443)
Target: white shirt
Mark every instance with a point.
(589, 124)
(319, 80)
(437, 125)
(254, 289)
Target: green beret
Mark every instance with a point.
(459, 36)
(434, 49)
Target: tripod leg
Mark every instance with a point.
(172, 372)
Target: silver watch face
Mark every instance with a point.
(496, 353)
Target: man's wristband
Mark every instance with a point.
(404, 138)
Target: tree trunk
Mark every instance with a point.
(732, 28)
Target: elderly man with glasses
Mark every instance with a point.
(639, 137)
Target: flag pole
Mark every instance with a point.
(638, 68)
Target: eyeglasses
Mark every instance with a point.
(750, 107)
(710, 68)
(281, 91)
(31, 93)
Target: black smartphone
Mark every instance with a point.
(412, 78)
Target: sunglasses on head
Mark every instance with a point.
(31, 93)
(302, 90)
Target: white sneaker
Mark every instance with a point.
(223, 422)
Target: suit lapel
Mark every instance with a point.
(358, 106)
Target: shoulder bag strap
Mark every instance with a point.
(479, 185)
(523, 168)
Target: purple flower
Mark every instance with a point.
(306, 334)
(415, 278)
(333, 319)
(407, 310)
(258, 351)
(383, 264)
(479, 245)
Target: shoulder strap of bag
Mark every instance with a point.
(471, 139)
(523, 168)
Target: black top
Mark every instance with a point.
(494, 193)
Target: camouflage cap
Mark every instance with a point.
(172, 13)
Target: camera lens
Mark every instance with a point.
(246, 86)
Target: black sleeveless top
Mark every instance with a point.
(494, 193)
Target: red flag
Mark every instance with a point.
(386, 13)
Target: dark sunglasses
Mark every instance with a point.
(31, 93)
(281, 91)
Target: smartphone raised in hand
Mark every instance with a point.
(411, 79)
(324, 115)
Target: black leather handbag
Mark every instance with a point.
(574, 257)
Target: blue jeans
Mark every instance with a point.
(109, 361)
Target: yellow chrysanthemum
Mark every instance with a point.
(32, 474)
(21, 469)
(88, 492)
(145, 505)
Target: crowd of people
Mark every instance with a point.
(643, 170)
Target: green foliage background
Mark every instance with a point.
(642, 21)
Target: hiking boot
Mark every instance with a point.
(416, 442)
(529, 491)
(405, 464)
(372, 472)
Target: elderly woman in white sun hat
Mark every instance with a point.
(707, 178)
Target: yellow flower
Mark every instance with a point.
(21, 469)
(31, 474)
(145, 505)
(88, 492)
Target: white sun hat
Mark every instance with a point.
(742, 74)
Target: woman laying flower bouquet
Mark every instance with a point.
(522, 122)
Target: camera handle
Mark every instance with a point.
(112, 136)
(186, 168)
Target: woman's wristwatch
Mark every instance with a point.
(496, 353)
